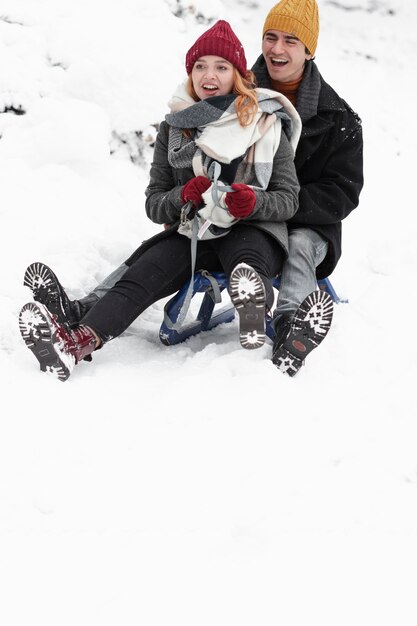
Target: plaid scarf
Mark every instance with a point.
(218, 135)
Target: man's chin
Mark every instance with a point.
(277, 73)
(278, 76)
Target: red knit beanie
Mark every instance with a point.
(220, 41)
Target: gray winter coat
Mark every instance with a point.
(273, 207)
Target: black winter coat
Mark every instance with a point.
(328, 159)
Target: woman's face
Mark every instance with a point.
(212, 76)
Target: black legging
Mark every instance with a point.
(164, 268)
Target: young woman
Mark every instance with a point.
(223, 179)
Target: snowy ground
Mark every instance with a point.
(195, 484)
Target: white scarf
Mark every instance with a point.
(220, 137)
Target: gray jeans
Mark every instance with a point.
(307, 250)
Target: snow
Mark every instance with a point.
(195, 484)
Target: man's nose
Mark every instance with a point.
(278, 47)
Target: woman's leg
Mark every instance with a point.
(250, 258)
(159, 272)
(247, 244)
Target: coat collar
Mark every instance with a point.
(315, 97)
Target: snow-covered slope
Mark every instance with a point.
(196, 484)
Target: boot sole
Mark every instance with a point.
(309, 327)
(247, 293)
(46, 289)
(37, 332)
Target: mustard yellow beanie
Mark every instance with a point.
(298, 17)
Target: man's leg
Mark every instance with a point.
(303, 313)
(307, 250)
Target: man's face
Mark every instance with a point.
(285, 55)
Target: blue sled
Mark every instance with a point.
(207, 318)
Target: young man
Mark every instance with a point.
(329, 166)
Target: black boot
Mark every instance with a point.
(247, 293)
(282, 329)
(47, 289)
(307, 329)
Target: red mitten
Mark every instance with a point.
(194, 188)
(241, 202)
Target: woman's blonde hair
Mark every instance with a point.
(246, 101)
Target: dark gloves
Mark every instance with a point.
(241, 202)
(194, 188)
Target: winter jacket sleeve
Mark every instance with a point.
(334, 190)
(280, 201)
(163, 195)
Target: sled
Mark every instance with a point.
(207, 317)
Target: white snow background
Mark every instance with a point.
(196, 484)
